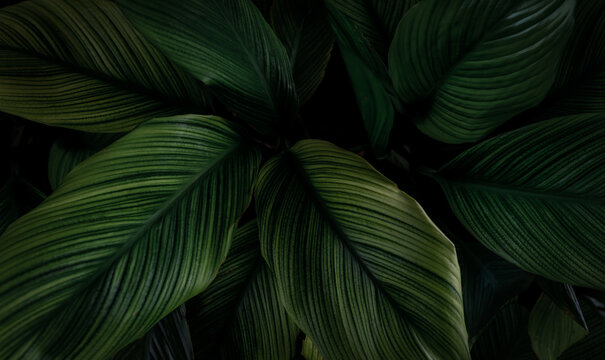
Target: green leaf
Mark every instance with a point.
(167, 340)
(305, 31)
(374, 102)
(309, 351)
(551, 330)
(366, 27)
(580, 83)
(488, 282)
(471, 65)
(239, 316)
(593, 345)
(80, 64)
(230, 47)
(535, 196)
(359, 266)
(132, 233)
(564, 296)
(505, 337)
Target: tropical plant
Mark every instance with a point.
(212, 191)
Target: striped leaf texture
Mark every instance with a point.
(239, 315)
(131, 234)
(551, 330)
(230, 47)
(305, 31)
(535, 196)
(167, 340)
(358, 264)
(488, 282)
(366, 27)
(373, 100)
(80, 64)
(468, 66)
(505, 337)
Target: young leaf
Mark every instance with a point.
(80, 64)
(230, 47)
(167, 340)
(359, 266)
(535, 196)
(309, 351)
(304, 29)
(551, 330)
(476, 64)
(239, 316)
(132, 233)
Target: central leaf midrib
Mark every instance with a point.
(508, 189)
(145, 226)
(130, 87)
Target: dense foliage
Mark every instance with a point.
(308, 179)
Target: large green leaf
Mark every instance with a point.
(304, 29)
(505, 337)
(535, 196)
(80, 64)
(239, 316)
(373, 100)
(551, 330)
(366, 27)
(359, 266)
(167, 340)
(488, 282)
(472, 65)
(132, 232)
(230, 47)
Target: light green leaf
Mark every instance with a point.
(305, 31)
(551, 330)
(359, 266)
(367, 28)
(505, 337)
(374, 102)
(167, 340)
(488, 282)
(239, 316)
(309, 351)
(132, 233)
(535, 196)
(80, 64)
(230, 47)
(471, 65)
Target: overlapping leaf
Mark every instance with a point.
(131, 234)
(358, 264)
(80, 64)
(167, 340)
(239, 316)
(230, 47)
(593, 345)
(471, 65)
(535, 196)
(305, 31)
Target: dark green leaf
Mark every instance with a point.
(79, 64)
(475, 64)
(132, 233)
(535, 196)
(359, 266)
(564, 296)
(230, 47)
(593, 345)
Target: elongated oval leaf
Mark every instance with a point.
(359, 265)
(80, 64)
(551, 330)
(132, 233)
(476, 64)
(230, 47)
(535, 196)
(305, 31)
(167, 340)
(239, 316)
